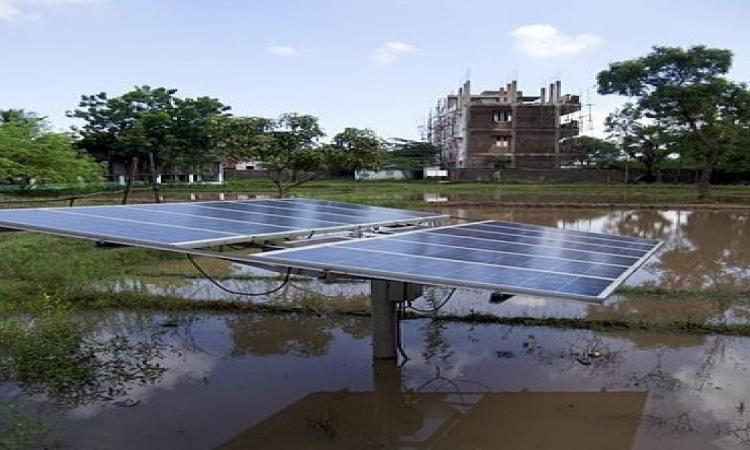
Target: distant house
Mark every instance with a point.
(473, 130)
(387, 173)
(118, 169)
(241, 166)
(434, 172)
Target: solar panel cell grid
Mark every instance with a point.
(519, 260)
(206, 223)
(523, 247)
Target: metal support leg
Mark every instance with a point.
(383, 320)
(384, 296)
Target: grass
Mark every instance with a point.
(46, 348)
(19, 430)
(395, 192)
(83, 276)
(45, 282)
(77, 274)
(675, 312)
(410, 193)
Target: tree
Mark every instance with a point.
(353, 150)
(500, 161)
(243, 138)
(412, 155)
(28, 151)
(647, 142)
(149, 124)
(291, 153)
(686, 91)
(590, 151)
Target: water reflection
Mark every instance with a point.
(393, 416)
(267, 381)
(703, 248)
(290, 334)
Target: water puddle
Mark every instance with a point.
(703, 249)
(302, 381)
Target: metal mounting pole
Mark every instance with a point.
(384, 296)
(383, 320)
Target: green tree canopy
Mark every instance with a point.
(354, 149)
(151, 123)
(686, 91)
(644, 140)
(590, 151)
(412, 155)
(243, 138)
(500, 161)
(29, 151)
(291, 150)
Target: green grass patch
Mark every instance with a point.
(47, 349)
(409, 193)
(19, 430)
(33, 265)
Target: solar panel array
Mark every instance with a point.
(501, 256)
(203, 224)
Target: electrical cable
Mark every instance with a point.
(231, 291)
(400, 310)
(236, 247)
(435, 309)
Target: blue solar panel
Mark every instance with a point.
(205, 224)
(500, 256)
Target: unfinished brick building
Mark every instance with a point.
(482, 131)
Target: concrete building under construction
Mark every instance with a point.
(504, 127)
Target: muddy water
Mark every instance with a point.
(703, 249)
(290, 381)
(569, 194)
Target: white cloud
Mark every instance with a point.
(282, 50)
(24, 10)
(390, 52)
(9, 11)
(545, 41)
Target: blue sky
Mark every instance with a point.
(376, 64)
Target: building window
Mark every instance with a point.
(502, 116)
(502, 141)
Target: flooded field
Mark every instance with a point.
(703, 249)
(492, 194)
(306, 380)
(301, 381)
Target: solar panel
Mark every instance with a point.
(500, 256)
(204, 224)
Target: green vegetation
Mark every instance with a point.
(410, 194)
(47, 349)
(19, 430)
(412, 155)
(182, 135)
(645, 142)
(685, 95)
(150, 124)
(589, 151)
(292, 154)
(31, 154)
(36, 265)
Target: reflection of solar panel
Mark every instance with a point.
(194, 225)
(501, 256)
